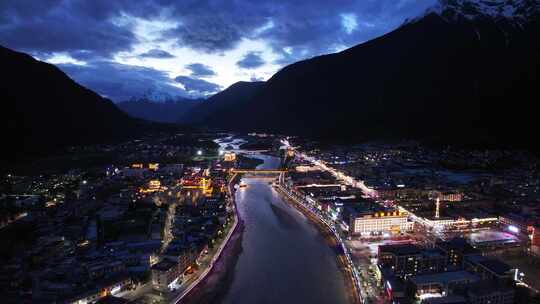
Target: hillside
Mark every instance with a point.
(43, 109)
(457, 74)
(223, 104)
(168, 111)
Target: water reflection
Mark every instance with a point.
(284, 258)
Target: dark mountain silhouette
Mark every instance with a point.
(168, 111)
(455, 74)
(223, 104)
(42, 110)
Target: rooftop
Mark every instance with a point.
(444, 277)
(400, 249)
(164, 265)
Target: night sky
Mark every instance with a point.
(127, 48)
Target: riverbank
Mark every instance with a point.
(216, 285)
(218, 258)
(332, 242)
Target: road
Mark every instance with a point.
(349, 180)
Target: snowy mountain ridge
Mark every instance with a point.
(512, 10)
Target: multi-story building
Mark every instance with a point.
(492, 292)
(490, 269)
(456, 250)
(165, 274)
(407, 260)
(380, 222)
(229, 156)
(440, 284)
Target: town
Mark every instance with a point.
(407, 223)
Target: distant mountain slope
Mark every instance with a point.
(455, 74)
(222, 104)
(43, 109)
(160, 111)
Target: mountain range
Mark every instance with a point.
(222, 105)
(43, 110)
(466, 71)
(168, 111)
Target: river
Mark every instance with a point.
(284, 258)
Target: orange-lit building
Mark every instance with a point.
(153, 186)
(229, 157)
(198, 182)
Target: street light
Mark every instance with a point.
(199, 152)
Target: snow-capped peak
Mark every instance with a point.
(495, 9)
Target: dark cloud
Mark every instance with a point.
(207, 35)
(97, 27)
(121, 82)
(67, 26)
(251, 60)
(94, 31)
(255, 78)
(200, 70)
(198, 86)
(315, 27)
(156, 53)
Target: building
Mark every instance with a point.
(449, 196)
(182, 254)
(440, 284)
(490, 269)
(491, 292)
(402, 260)
(406, 260)
(518, 224)
(153, 186)
(229, 156)
(456, 250)
(379, 223)
(165, 275)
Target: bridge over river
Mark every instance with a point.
(258, 171)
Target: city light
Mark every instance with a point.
(513, 229)
(199, 152)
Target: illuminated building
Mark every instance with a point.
(517, 224)
(153, 166)
(404, 260)
(381, 222)
(440, 284)
(153, 186)
(229, 157)
(456, 250)
(451, 197)
(201, 183)
(449, 224)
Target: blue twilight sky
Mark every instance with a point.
(126, 48)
